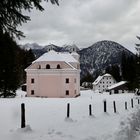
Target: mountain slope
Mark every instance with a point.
(100, 55)
(93, 59)
(33, 46)
(40, 50)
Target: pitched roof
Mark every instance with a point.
(56, 56)
(107, 74)
(117, 85)
(99, 78)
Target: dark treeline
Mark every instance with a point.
(13, 61)
(129, 70)
(114, 70)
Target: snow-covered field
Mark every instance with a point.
(46, 118)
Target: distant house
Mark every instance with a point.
(120, 87)
(102, 83)
(54, 75)
(87, 85)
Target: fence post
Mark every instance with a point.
(105, 106)
(125, 105)
(68, 110)
(23, 115)
(132, 103)
(114, 105)
(90, 110)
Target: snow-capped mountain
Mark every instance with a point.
(100, 55)
(46, 48)
(93, 59)
(70, 48)
(51, 47)
(39, 50)
(33, 46)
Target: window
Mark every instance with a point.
(39, 67)
(32, 92)
(67, 80)
(58, 66)
(47, 66)
(67, 92)
(32, 80)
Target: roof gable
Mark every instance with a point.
(99, 78)
(56, 56)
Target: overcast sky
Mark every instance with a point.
(84, 22)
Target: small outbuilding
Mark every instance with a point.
(120, 87)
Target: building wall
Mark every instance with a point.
(118, 91)
(104, 83)
(53, 65)
(52, 82)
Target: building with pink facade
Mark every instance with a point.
(54, 75)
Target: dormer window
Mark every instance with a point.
(58, 66)
(47, 66)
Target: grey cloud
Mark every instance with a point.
(84, 22)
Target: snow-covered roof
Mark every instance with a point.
(74, 53)
(99, 78)
(56, 56)
(117, 85)
(107, 74)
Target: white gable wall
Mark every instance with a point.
(104, 83)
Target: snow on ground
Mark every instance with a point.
(46, 118)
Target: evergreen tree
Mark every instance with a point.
(11, 14)
(138, 65)
(8, 70)
(87, 78)
(26, 60)
(114, 71)
(12, 65)
(124, 66)
(137, 71)
(29, 57)
(128, 68)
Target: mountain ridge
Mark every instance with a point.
(100, 55)
(93, 59)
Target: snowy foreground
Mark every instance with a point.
(46, 118)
